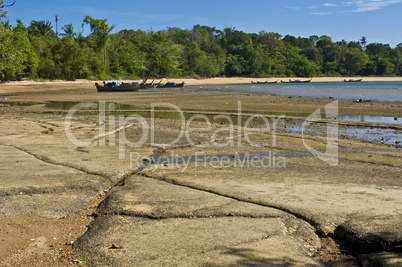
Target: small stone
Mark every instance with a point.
(116, 246)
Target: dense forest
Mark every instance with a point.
(36, 51)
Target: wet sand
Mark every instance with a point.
(307, 194)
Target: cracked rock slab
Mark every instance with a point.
(30, 185)
(192, 227)
(229, 241)
(153, 198)
(142, 196)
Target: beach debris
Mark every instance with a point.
(362, 100)
(116, 246)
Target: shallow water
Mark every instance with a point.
(385, 91)
(377, 135)
(363, 118)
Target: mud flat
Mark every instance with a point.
(90, 188)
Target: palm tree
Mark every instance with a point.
(41, 27)
(5, 29)
(363, 41)
(68, 31)
(6, 24)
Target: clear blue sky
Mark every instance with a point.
(378, 20)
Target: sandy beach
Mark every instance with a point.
(15, 86)
(74, 189)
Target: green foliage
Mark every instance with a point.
(304, 68)
(42, 28)
(202, 51)
(355, 61)
(100, 31)
(16, 54)
(68, 31)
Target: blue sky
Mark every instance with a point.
(378, 20)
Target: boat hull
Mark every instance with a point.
(125, 87)
(264, 82)
(296, 81)
(171, 85)
(352, 80)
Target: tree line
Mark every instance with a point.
(35, 51)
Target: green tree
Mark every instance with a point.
(313, 54)
(269, 40)
(68, 31)
(16, 55)
(363, 41)
(41, 27)
(125, 58)
(380, 55)
(355, 61)
(69, 59)
(163, 57)
(201, 63)
(100, 31)
(234, 65)
(304, 68)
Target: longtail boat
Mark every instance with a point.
(170, 85)
(117, 87)
(296, 81)
(266, 82)
(353, 80)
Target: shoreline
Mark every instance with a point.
(60, 85)
(212, 81)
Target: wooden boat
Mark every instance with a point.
(296, 81)
(353, 80)
(117, 87)
(266, 82)
(170, 85)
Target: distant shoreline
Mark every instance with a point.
(33, 86)
(234, 80)
(229, 80)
